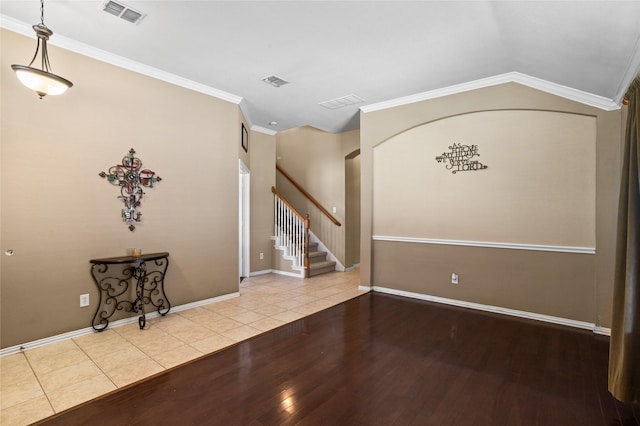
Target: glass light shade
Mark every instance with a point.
(42, 82)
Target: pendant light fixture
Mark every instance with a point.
(41, 80)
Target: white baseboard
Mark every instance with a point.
(278, 272)
(263, 272)
(602, 330)
(352, 267)
(288, 274)
(488, 308)
(204, 302)
(119, 323)
(496, 309)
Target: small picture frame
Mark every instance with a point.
(245, 139)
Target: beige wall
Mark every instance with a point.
(316, 160)
(538, 188)
(567, 285)
(263, 176)
(57, 213)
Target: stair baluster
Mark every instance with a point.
(291, 230)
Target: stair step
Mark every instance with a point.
(317, 256)
(318, 263)
(318, 268)
(312, 246)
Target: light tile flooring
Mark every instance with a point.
(40, 382)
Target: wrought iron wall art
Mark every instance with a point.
(131, 179)
(459, 158)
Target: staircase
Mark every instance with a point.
(318, 263)
(291, 236)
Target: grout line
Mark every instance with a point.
(345, 286)
(38, 380)
(104, 373)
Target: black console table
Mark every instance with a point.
(147, 271)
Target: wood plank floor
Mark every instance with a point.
(381, 360)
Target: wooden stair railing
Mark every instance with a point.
(291, 230)
(309, 197)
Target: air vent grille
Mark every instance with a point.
(275, 81)
(113, 8)
(131, 16)
(342, 102)
(123, 11)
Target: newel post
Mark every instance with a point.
(306, 247)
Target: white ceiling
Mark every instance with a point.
(377, 50)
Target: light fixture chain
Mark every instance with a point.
(42, 12)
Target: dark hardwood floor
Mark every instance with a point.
(382, 360)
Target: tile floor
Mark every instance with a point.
(40, 382)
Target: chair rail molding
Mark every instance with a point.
(512, 246)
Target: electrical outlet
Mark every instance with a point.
(261, 256)
(454, 278)
(84, 300)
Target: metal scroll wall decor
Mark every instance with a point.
(131, 179)
(459, 158)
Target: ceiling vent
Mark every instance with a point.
(275, 81)
(342, 102)
(123, 11)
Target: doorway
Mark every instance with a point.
(243, 221)
(352, 210)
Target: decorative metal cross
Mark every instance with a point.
(131, 179)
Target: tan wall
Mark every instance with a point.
(531, 281)
(263, 176)
(279, 263)
(316, 160)
(573, 286)
(538, 188)
(57, 213)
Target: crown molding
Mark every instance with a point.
(510, 77)
(66, 43)
(264, 130)
(247, 116)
